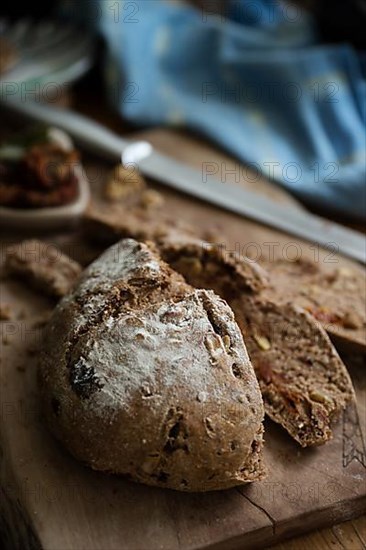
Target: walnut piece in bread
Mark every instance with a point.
(143, 375)
(303, 381)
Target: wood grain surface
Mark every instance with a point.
(49, 500)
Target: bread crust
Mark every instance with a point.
(145, 376)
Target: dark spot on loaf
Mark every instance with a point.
(146, 392)
(209, 426)
(173, 412)
(162, 477)
(176, 438)
(144, 281)
(169, 416)
(174, 431)
(83, 379)
(236, 370)
(118, 298)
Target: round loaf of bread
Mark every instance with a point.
(145, 376)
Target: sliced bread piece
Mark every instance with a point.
(303, 381)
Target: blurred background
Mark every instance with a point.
(337, 20)
(280, 86)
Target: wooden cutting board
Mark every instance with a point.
(49, 500)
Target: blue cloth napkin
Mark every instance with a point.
(257, 82)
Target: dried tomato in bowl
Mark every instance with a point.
(38, 175)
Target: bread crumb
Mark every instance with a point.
(123, 183)
(152, 199)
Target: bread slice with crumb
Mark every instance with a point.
(303, 381)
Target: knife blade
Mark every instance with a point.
(287, 218)
(186, 179)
